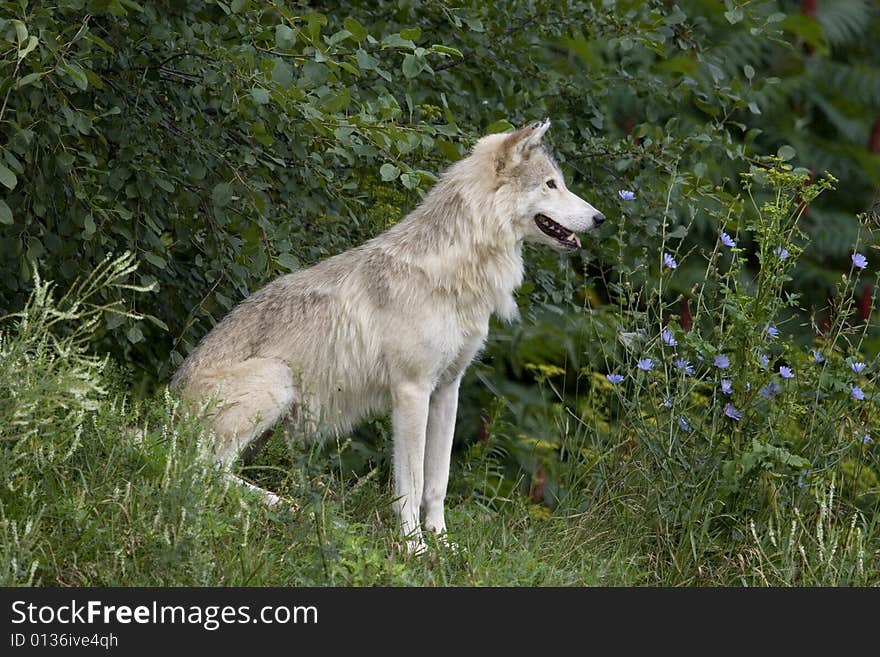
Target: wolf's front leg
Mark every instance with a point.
(409, 418)
(438, 450)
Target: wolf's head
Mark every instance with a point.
(532, 191)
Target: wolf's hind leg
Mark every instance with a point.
(254, 395)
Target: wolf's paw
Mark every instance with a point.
(442, 540)
(415, 546)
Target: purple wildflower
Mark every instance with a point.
(727, 240)
(669, 261)
(859, 261)
(771, 330)
(857, 367)
(731, 412)
(857, 393)
(866, 438)
(722, 362)
(685, 426)
(667, 403)
(645, 364)
(614, 379)
(668, 338)
(626, 195)
(785, 372)
(684, 364)
(770, 390)
(764, 360)
(819, 358)
(781, 251)
(726, 386)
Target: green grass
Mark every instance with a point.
(121, 511)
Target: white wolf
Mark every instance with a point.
(394, 322)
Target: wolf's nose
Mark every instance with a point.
(599, 218)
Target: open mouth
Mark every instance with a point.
(566, 238)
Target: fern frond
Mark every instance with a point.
(844, 20)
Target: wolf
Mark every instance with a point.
(394, 323)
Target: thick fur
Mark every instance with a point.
(392, 324)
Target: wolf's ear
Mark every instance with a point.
(518, 145)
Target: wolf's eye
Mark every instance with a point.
(551, 184)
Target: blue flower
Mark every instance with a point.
(866, 438)
(626, 195)
(781, 251)
(722, 362)
(857, 393)
(727, 240)
(731, 412)
(771, 330)
(764, 360)
(859, 261)
(769, 390)
(726, 386)
(857, 367)
(669, 261)
(785, 372)
(684, 364)
(819, 358)
(668, 338)
(614, 378)
(667, 403)
(645, 364)
(684, 425)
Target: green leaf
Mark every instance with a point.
(89, 227)
(134, 334)
(413, 65)
(158, 322)
(315, 21)
(388, 171)
(30, 78)
(21, 32)
(410, 179)
(7, 177)
(75, 73)
(475, 24)
(285, 38)
(32, 43)
(749, 72)
(734, 16)
(338, 37)
(502, 125)
(155, 260)
(98, 41)
(260, 96)
(282, 73)
(786, 152)
(446, 50)
(358, 31)
(167, 185)
(5, 213)
(288, 261)
(411, 33)
(222, 194)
